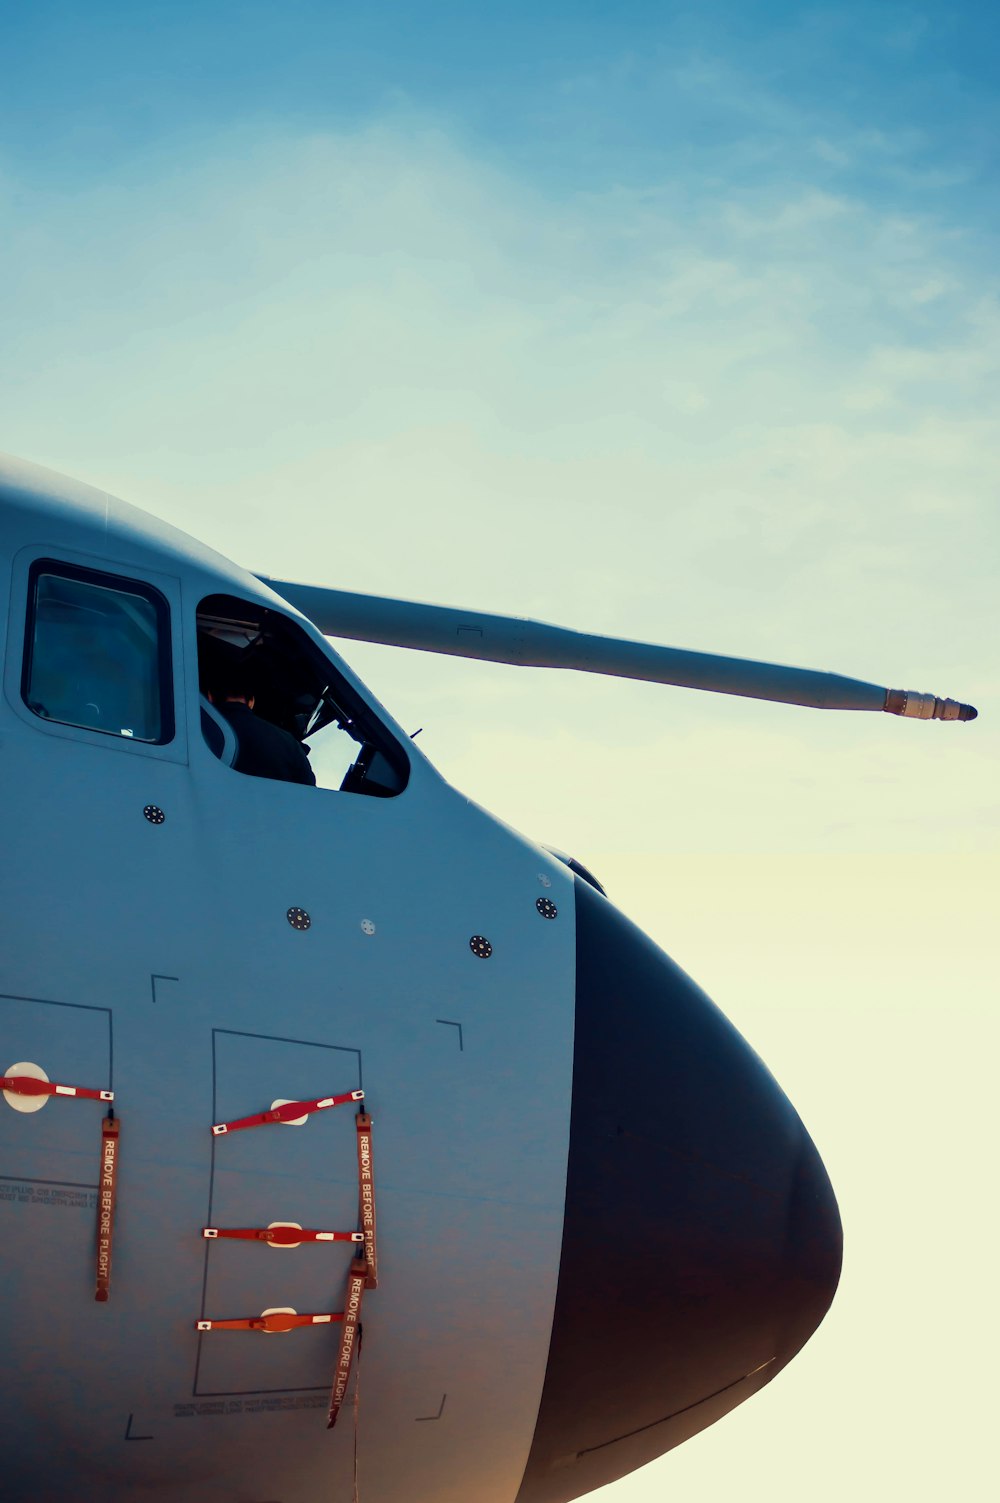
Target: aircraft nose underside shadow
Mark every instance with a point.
(702, 1242)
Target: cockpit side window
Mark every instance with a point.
(251, 652)
(97, 653)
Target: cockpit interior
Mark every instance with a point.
(297, 689)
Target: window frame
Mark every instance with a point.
(122, 584)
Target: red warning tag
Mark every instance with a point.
(356, 1280)
(106, 1193)
(366, 1195)
(279, 1236)
(28, 1085)
(271, 1321)
(287, 1112)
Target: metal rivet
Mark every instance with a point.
(545, 879)
(480, 945)
(546, 907)
(298, 918)
(367, 926)
(154, 814)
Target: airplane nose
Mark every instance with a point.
(702, 1242)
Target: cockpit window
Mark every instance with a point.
(246, 651)
(97, 653)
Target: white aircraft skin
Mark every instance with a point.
(471, 1158)
(691, 1234)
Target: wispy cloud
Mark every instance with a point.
(385, 298)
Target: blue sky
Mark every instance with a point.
(675, 323)
(574, 93)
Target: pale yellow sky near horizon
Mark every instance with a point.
(867, 984)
